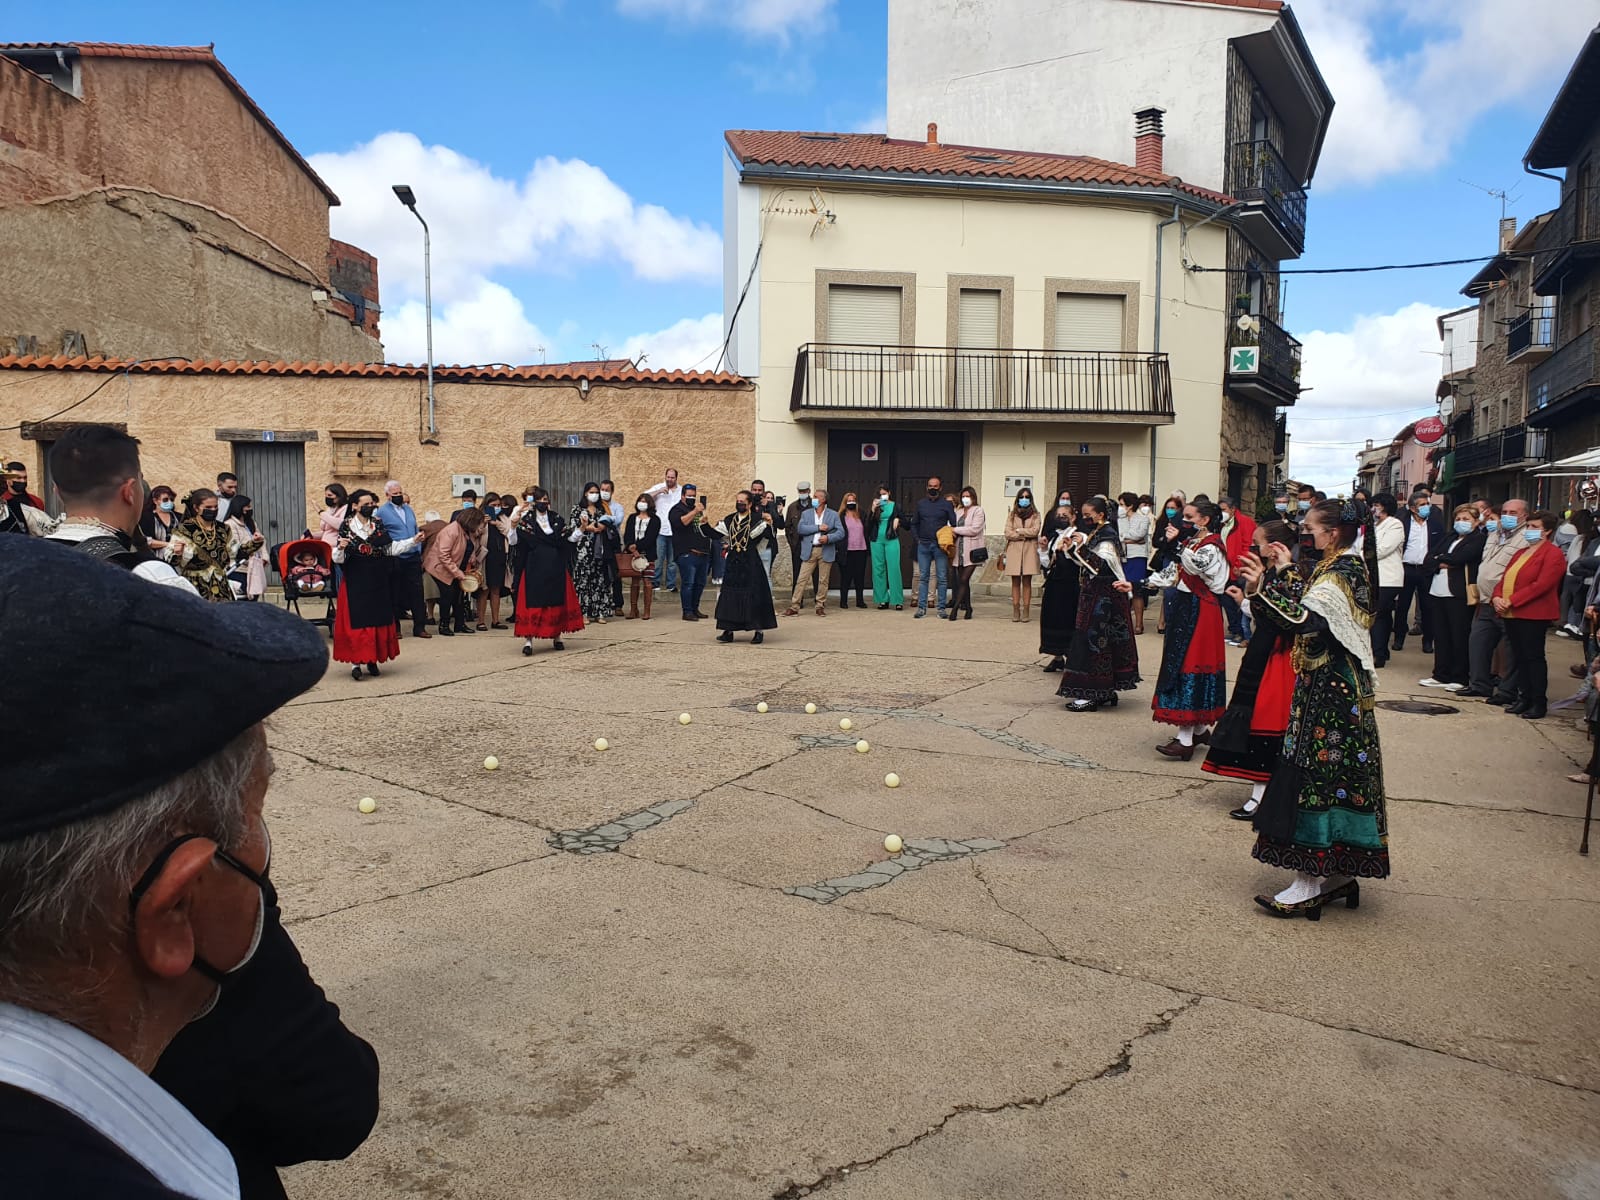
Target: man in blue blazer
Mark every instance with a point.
(821, 535)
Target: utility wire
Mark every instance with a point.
(104, 383)
(1422, 266)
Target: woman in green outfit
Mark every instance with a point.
(1323, 815)
(883, 538)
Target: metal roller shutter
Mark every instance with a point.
(1089, 322)
(866, 316)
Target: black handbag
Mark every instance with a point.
(980, 555)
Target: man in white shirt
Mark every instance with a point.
(227, 489)
(666, 495)
(1423, 529)
(132, 869)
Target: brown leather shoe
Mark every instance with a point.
(423, 634)
(1176, 749)
(791, 612)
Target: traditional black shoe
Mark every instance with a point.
(1517, 709)
(1427, 647)
(1350, 893)
(527, 652)
(1472, 693)
(355, 673)
(881, 607)
(372, 669)
(1310, 909)
(558, 645)
(1055, 664)
(465, 629)
(1534, 712)
(1082, 706)
(758, 638)
(1242, 814)
(725, 636)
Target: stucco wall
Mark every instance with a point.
(1066, 78)
(171, 126)
(142, 275)
(706, 432)
(934, 236)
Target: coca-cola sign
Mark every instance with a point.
(1429, 431)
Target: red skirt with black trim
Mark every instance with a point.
(551, 621)
(378, 644)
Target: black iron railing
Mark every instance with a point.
(834, 377)
(1261, 176)
(1279, 362)
(1533, 330)
(1505, 448)
(1566, 371)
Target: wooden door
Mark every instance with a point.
(273, 475)
(1083, 475)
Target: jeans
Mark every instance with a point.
(405, 580)
(666, 564)
(929, 555)
(767, 553)
(692, 570)
(1383, 624)
(1533, 671)
(1238, 623)
(1487, 630)
(1418, 580)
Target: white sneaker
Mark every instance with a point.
(1430, 681)
(1453, 687)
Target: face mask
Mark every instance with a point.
(933, 491)
(166, 506)
(494, 511)
(883, 498)
(367, 510)
(1024, 502)
(1282, 506)
(208, 514)
(397, 499)
(591, 497)
(1424, 511)
(805, 499)
(1532, 534)
(1189, 529)
(816, 502)
(1305, 506)
(642, 506)
(1064, 502)
(1122, 510)
(966, 502)
(18, 486)
(850, 504)
(1463, 527)
(542, 505)
(743, 507)
(1171, 513)
(1508, 523)
(605, 495)
(466, 504)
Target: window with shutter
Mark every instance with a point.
(977, 328)
(359, 454)
(1089, 322)
(862, 315)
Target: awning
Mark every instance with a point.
(1587, 463)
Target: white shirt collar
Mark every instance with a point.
(62, 1064)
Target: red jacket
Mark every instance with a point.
(1239, 539)
(1537, 593)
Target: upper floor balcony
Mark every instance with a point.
(838, 381)
(1505, 448)
(1566, 382)
(1263, 361)
(1274, 218)
(1531, 336)
(1569, 243)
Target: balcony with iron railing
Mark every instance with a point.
(1567, 380)
(1513, 447)
(1531, 336)
(1263, 361)
(1275, 216)
(1569, 242)
(846, 381)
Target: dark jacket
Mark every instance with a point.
(1436, 526)
(1462, 562)
(642, 530)
(931, 516)
(272, 1071)
(51, 1155)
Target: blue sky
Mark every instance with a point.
(597, 124)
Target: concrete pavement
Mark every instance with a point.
(1070, 994)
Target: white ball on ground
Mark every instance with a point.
(893, 844)
(684, 718)
(601, 744)
(862, 747)
(891, 780)
(846, 724)
(491, 763)
(811, 709)
(762, 707)
(368, 804)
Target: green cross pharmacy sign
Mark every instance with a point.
(1244, 360)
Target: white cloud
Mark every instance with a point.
(1399, 112)
(759, 18)
(562, 213)
(487, 326)
(1361, 383)
(691, 344)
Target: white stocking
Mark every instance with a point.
(1185, 735)
(1256, 792)
(1304, 887)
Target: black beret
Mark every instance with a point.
(125, 684)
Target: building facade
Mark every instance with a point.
(287, 429)
(148, 207)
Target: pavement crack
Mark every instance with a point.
(426, 887)
(1120, 1065)
(988, 890)
(916, 854)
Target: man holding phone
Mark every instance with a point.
(693, 547)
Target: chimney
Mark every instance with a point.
(933, 133)
(1508, 233)
(1147, 139)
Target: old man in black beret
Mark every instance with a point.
(134, 891)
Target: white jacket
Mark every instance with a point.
(1391, 549)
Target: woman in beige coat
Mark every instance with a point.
(1022, 552)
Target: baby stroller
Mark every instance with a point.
(283, 556)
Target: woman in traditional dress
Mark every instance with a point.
(1192, 688)
(1023, 523)
(590, 578)
(248, 577)
(1248, 742)
(883, 540)
(1058, 607)
(1103, 659)
(1323, 815)
(364, 628)
(547, 602)
(205, 549)
(745, 602)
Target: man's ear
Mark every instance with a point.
(163, 929)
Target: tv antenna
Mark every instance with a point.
(1501, 194)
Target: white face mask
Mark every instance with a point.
(527, 499)
(1145, 509)
(591, 497)
(604, 495)
(642, 506)
(966, 502)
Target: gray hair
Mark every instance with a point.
(64, 890)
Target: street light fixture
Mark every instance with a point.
(407, 197)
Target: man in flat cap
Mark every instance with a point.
(134, 892)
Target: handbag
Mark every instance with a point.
(980, 555)
(1474, 596)
(628, 566)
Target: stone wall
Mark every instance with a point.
(140, 275)
(1248, 434)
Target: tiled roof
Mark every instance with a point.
(622, 371)
(205, 55)
(868, 152)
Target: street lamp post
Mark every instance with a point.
(409, 199)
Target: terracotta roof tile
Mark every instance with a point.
(205, 55)
(544, 373)
(875, 152)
